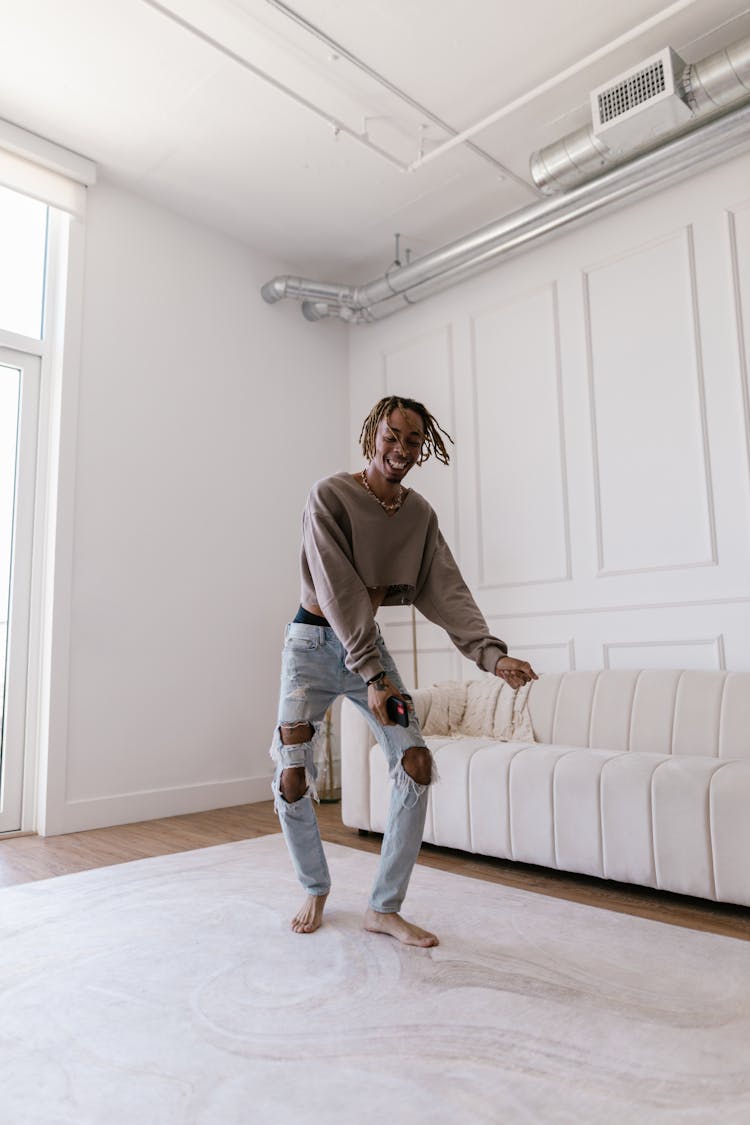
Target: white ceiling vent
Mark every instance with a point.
(642, 104)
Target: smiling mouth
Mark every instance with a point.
(397, 465)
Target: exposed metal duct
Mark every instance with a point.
(715, 138)
(705, 87)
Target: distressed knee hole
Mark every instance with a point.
(417, 762)
(292, 734)
(293, 784)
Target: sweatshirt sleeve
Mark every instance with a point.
(340, 592)
(445, 599)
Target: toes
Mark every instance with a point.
(309, 917)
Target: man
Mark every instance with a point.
(369, 541)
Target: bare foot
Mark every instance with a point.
(310, 915)
(398, 928)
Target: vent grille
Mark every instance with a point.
(634, 91)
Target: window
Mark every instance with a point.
(23, 237)
(42, 226)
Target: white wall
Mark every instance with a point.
(204, 416)
(597, 388)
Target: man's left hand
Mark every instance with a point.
(516, 673)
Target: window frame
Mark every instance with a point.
(51, 564)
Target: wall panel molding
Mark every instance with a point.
(701, 381)
(542, 656)
(676, 653)
(635, 607)
(626, 399)
(501, 461)
(742, 322)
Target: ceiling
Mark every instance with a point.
(314, 163)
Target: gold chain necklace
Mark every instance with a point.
(394, 505)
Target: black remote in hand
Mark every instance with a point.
(396, 710)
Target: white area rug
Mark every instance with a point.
(171, 990)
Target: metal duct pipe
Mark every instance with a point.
(301, 289)
(567, 161)
(718, 81)
(716, 139)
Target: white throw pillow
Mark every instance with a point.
(485, 708)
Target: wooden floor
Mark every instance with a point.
(24, 859)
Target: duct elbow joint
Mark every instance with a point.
(274, 290)
(323, 310)
(315, 310)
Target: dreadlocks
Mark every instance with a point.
(433, 442)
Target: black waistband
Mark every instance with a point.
(304, 617)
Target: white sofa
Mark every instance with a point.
(636, 776)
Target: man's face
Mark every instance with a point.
(398, 444)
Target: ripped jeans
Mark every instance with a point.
(313, 674)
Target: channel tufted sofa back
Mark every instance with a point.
(699, 713)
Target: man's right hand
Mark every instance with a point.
(377, 697)
(516, 673)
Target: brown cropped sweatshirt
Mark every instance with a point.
(349, 544)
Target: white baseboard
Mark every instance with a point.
(150, 804)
